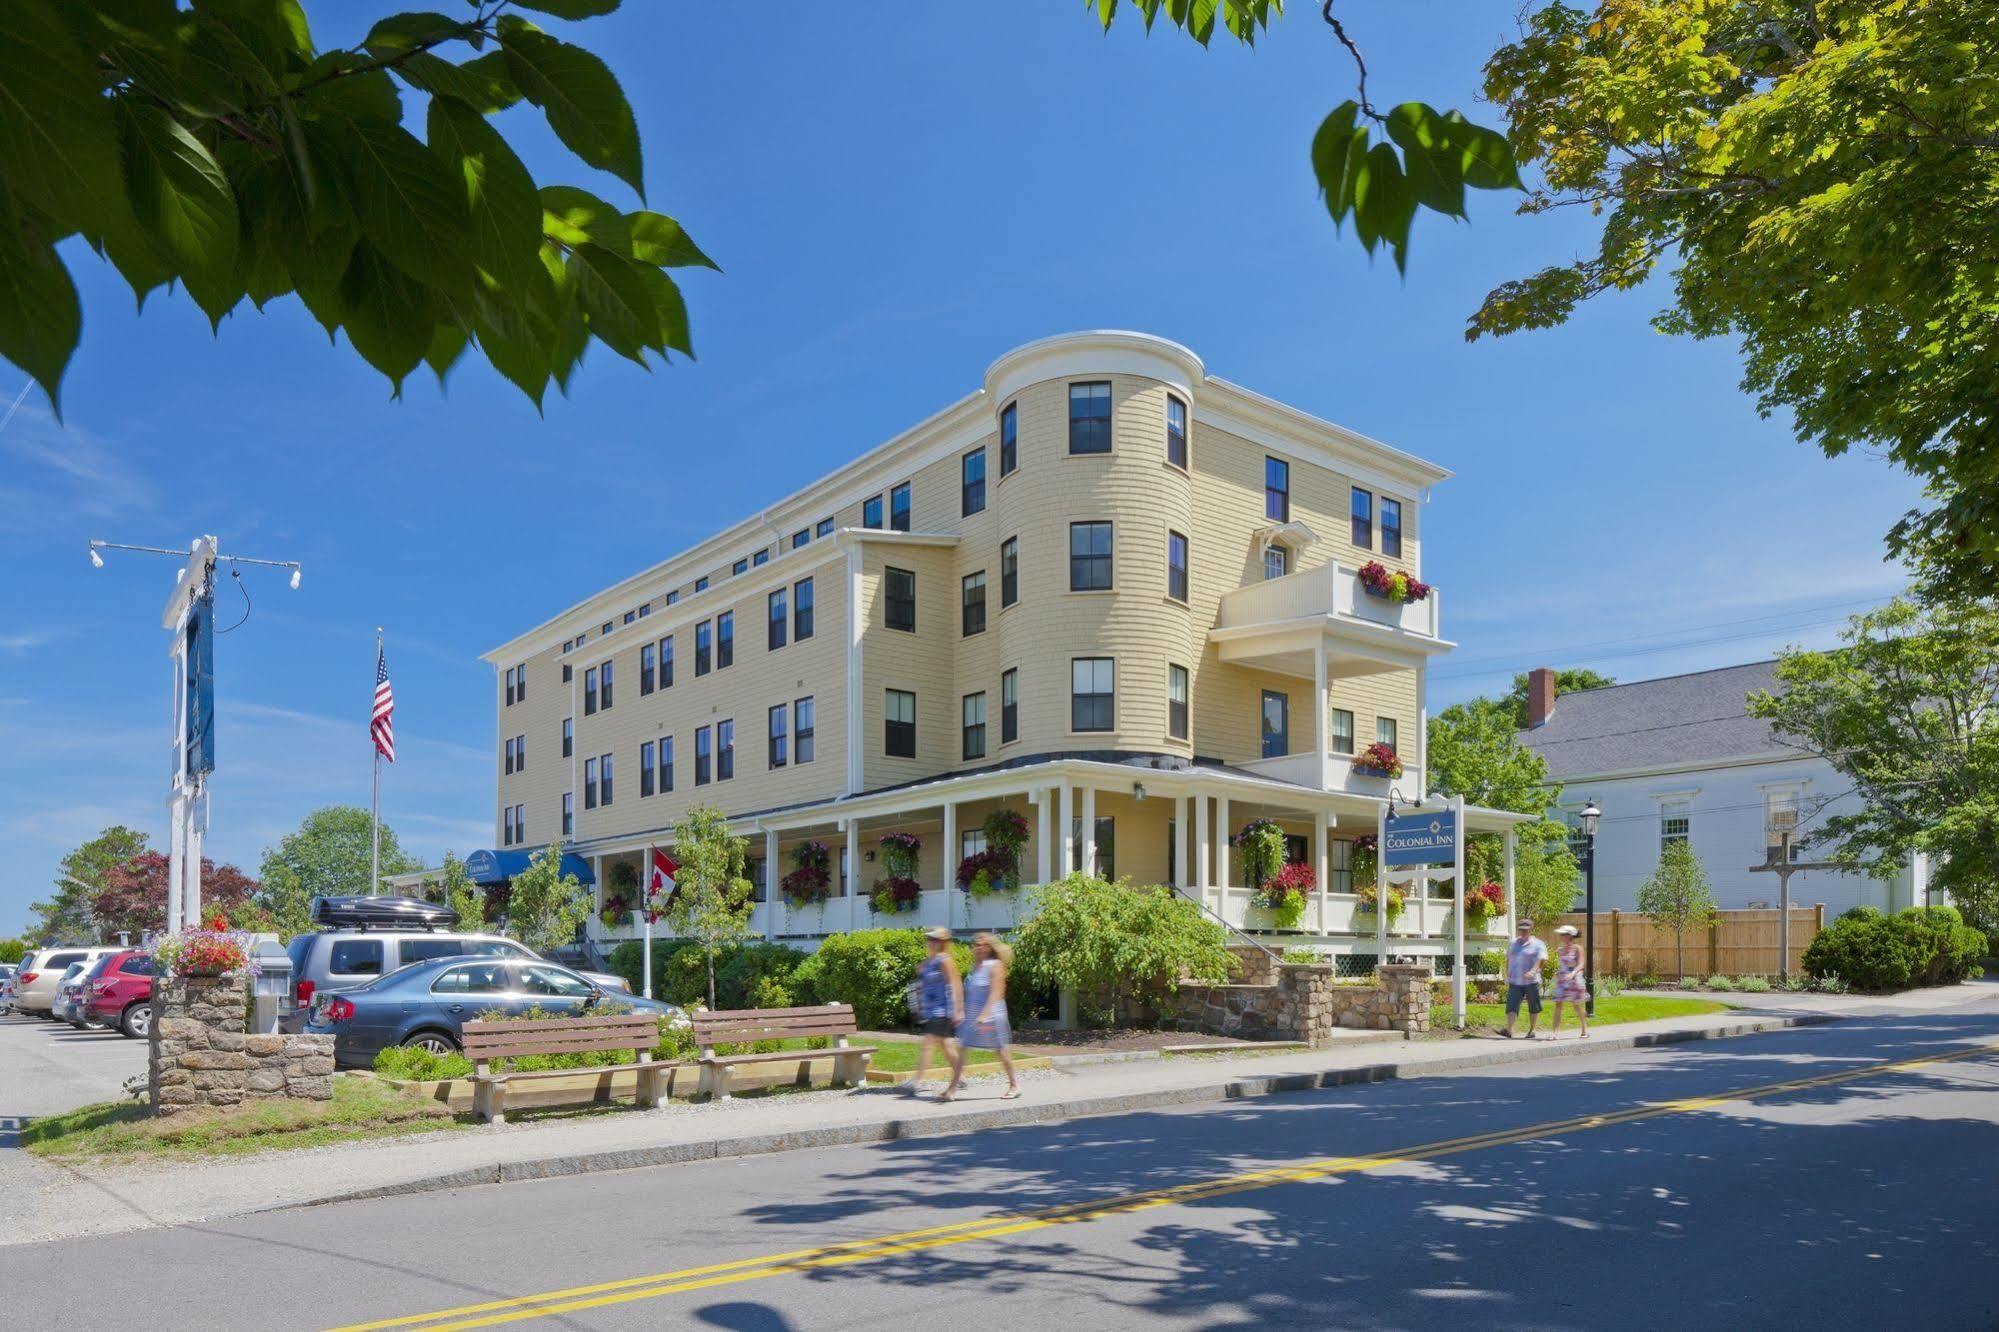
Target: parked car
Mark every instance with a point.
(7, 972)
(35, 983)
(426, 1003)
(397, 932)
(71, 994)
(121, 993)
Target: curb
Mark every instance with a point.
(1012, 1115)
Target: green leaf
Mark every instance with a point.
(388, 315)
(581, 98)
(482, 84)
(1485, 157)
(405, 32)
(1333, 147)
(571, 9)
(447, 344)
(1383, 201)
(410, 205)
(40, 317)
(1201, 20)
(578, 217)
(499, 194)
(1106, 11)
(363, 95)
(672, 308)
(1429, 157)
(264, 41)
(622, 311)
(510, 341)
(58, 147)
(658, 239)
(184, 202)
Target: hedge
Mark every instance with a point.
(751, 975)
(1921, 946)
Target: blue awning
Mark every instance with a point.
(487, 868)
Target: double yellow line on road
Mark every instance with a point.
(659, 1284)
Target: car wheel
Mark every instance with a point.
(432, 1042)
(137, 1022)
(79, 1024)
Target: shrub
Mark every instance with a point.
(1944, 950)
(1610, 987)
(406, 1063)
(1723, 983)
(1116, 943)
(1830, 985)
(872, 970)
(1688, 983)
(1753, 985)
(1865, 949)
(1490, 962)
(1306, 956)
(1794, 983)
(680, 974)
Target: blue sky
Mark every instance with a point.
(896, 195)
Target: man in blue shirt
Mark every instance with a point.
(1523, 977)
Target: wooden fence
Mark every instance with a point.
(1738, 943)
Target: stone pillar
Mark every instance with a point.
(199, 1056)
(1405, 992)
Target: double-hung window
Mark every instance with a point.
(590, 691)
(1362, 508)
(665, 764)
(568, 736)
(899, 599)
(520, 753)
(1340, 731)
(972, 599)
(704, 756)
(972, 482)
(974, 726)
(1675, 823)
(1176, 431)
(1009, 572)
(508, 691)
(1089, 557)
(778, 623)
(1009, 706)
(568, 813)
(666, 662)
(898, 508)
(1176, 702)
(899, 723)
(520, 823)
(1090, 418)
(589, 783)
(725, 750)
(801, 610)
(778, 740)
(1277, 490)
(1009, 439)
(725, 639)
(871, 511)
(1176, 566)
(801, 730)
(648, 669)
(1384, 732)
(648, 774)
(1276, 561)
(1092, 694)
(1391, 526)
(604, 766)
(604, 688)
(507, 763)
(704, 647)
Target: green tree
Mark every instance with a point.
(712, 900)
(547, 904)
(1908, 712)
(1677, 897)
(81, 875)
(220, 149)
(1566, 682)
(1115, 944)
(1474, 751)
(329, 856)
(13, 950)
(457, 891)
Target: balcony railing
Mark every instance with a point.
(1339, 775)
(1329, 589)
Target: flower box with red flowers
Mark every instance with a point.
(1378, 580)
(1378, 760)
(895, 896)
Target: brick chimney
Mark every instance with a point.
(1540, 696)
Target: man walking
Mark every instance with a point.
(1523, 977)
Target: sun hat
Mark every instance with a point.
(938, 933)
(1523, 925)
(1567, 929)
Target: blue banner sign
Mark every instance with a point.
(1421, 837)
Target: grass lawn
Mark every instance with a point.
(895, 1054)
(1610, 1010)
(360, 1108)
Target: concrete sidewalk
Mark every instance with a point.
(42, 1199)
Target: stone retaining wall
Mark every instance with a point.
(1302, 1003)
(201, 1056)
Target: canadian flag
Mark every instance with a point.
(660, 885)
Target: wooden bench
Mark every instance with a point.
(746, 1025)
(488, 1041)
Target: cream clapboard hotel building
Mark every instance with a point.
(1106, 589)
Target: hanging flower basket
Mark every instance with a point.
(901, 854)
(1378, 760)
(985, 872)
(811, 877)
(1482, 903)
(895, 896)
(1366, 905)
(617, 912)
(1378, 580)
(1283, 894)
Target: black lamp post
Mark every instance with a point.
(1589, 815)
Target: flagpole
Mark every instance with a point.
(375, 806)
(645, 915)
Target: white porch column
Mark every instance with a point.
(1322, 825)
(1323, 767)
(1087, 861)
(1201, 858)
(771, 876)
(1423, 731)
(949, 850)
(1512, 909)
(1044, 834)
(1183, 861)
(1065, 830)
(1222, 844)
(850, 870)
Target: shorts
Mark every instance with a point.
(1516, 994)
(939, 1026)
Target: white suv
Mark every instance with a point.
(41, 971)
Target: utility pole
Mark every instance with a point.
(1777, 860)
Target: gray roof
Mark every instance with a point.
(1671, 722)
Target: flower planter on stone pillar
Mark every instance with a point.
(200, 1056)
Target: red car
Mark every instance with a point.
(121, 996)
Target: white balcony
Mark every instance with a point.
(1280, 623)
(1336, 774)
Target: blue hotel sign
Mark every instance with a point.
(1422, 837)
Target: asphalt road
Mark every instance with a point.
(1640, 1189)
(49, 1067)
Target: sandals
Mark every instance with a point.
(1010, 1094)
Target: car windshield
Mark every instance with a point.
(492, 947)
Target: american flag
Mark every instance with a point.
(383, 724)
